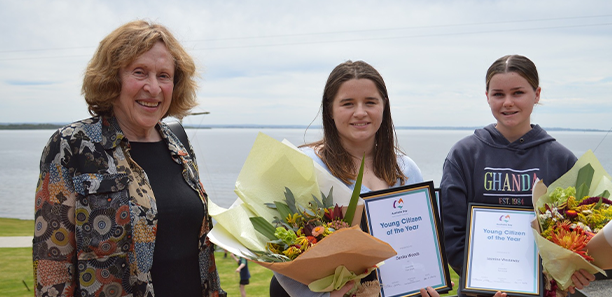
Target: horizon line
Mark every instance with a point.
(33, 126)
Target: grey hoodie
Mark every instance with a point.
(486, 168)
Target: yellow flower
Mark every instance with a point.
(294, 219)
(273, 248)
(302, 243)
(292, 252)
(569, 204)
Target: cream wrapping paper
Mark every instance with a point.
(558, 262)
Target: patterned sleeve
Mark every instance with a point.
(212, 282)
(212, 275)
(54, 255)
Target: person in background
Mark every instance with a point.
(120, 210)
(357, 120)
(476, 165)
(245, 275)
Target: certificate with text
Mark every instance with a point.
(500, 253)
(407, 219)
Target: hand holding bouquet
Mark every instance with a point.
(569, 213)
(283, 221)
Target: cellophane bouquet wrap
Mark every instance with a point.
(308, 245)
(568, 214)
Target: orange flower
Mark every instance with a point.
(318, 230)
(571, 213)
(573, 240)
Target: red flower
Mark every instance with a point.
(592, 200)
(335, 214)
(308, 229)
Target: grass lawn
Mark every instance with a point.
(16, 267)
(259, 282)
(16, 227)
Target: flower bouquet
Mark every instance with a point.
(282, 219)
(568, 214)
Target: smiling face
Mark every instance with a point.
(511, 99)
(146, 93)
(357, 112)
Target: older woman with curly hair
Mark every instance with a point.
(120, 210)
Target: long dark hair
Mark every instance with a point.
(330, 149)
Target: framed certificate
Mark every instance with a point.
(437, 193)
(500, 252)
(407, 219)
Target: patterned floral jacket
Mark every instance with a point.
(96, 216)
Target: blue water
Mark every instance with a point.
(222, 151)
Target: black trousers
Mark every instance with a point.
(276, 290)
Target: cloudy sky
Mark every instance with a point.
(266, 62)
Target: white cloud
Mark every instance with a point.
(265, 62)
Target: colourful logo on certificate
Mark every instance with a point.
(398, 203)
(504, 218)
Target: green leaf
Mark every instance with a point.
(290, 200)
(598, 203)
(583, 188)
(350, 211)
(264, 227)
(270, 257)
(583, 181)
(288, 226)
(309, 212)
(329, 200)
(319, 204)
(605, 194)
(283, 210)
(270, 205)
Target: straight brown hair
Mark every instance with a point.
(330, 149)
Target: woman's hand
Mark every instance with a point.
(581, 279)
(340, 292)
(429, 292)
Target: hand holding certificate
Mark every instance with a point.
(407, 218)
(500, 253)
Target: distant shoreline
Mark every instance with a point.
(53, 126)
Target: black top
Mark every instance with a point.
(175, 270)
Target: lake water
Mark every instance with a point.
(221, 153)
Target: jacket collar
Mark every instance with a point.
(112, 136)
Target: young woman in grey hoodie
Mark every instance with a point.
(499, 163)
